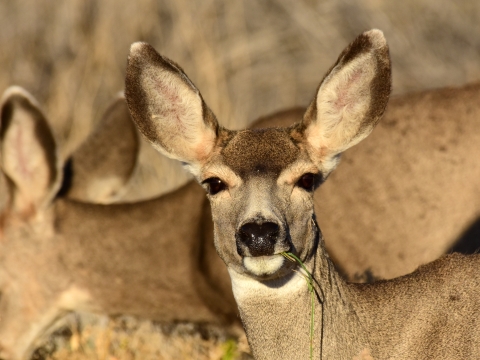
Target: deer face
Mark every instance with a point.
(260, 182)
(260, 186)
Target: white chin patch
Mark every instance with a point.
(263, 265)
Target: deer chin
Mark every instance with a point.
(264, 266)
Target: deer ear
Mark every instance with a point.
(350, 100)
(104, 164)
(29, 153)
(167, 108)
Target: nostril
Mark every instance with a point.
(260, 238)
(266, 229)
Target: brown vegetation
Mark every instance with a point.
(86, 337)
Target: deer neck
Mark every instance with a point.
(277, 314)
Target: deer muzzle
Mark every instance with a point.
(258, 238)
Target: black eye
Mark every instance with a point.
(308, 181)
(215, 185)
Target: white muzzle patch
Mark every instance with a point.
(263, 265)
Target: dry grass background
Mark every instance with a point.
(247, 57)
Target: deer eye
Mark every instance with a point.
(215, 185)
(308, 181)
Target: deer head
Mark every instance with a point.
(260, 182)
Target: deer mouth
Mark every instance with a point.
(264, 267)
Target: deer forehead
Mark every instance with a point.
(260, 152)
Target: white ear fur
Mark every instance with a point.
(178, 116)
(28, 149)
(167, 108)
(351, 98)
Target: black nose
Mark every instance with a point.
(260, 238)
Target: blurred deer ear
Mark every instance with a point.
(29, 153)
(350, 100)
(103, 165)
(167, 108)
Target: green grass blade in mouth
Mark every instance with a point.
(309, 279)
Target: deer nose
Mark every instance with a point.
(259, 238)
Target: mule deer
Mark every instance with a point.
(58, 255)
(260, 185)
(408, 191)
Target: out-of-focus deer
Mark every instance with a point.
(150, 259)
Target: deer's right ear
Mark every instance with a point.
(167, 108)
(29, 153)
(350, 100)
(104, 164)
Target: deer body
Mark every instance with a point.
(387, 320)
(59, 255)
(117, 269)
(260, 184)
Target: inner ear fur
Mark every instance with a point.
(351, 98)
(167, 108)
(28, 151)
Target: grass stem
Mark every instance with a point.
(309, 279)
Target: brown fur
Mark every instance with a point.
(265, 145)
(431, 313)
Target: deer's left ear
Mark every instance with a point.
(28, 152)
(167, 108)
(350, 100)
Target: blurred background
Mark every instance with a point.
(247, 57)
